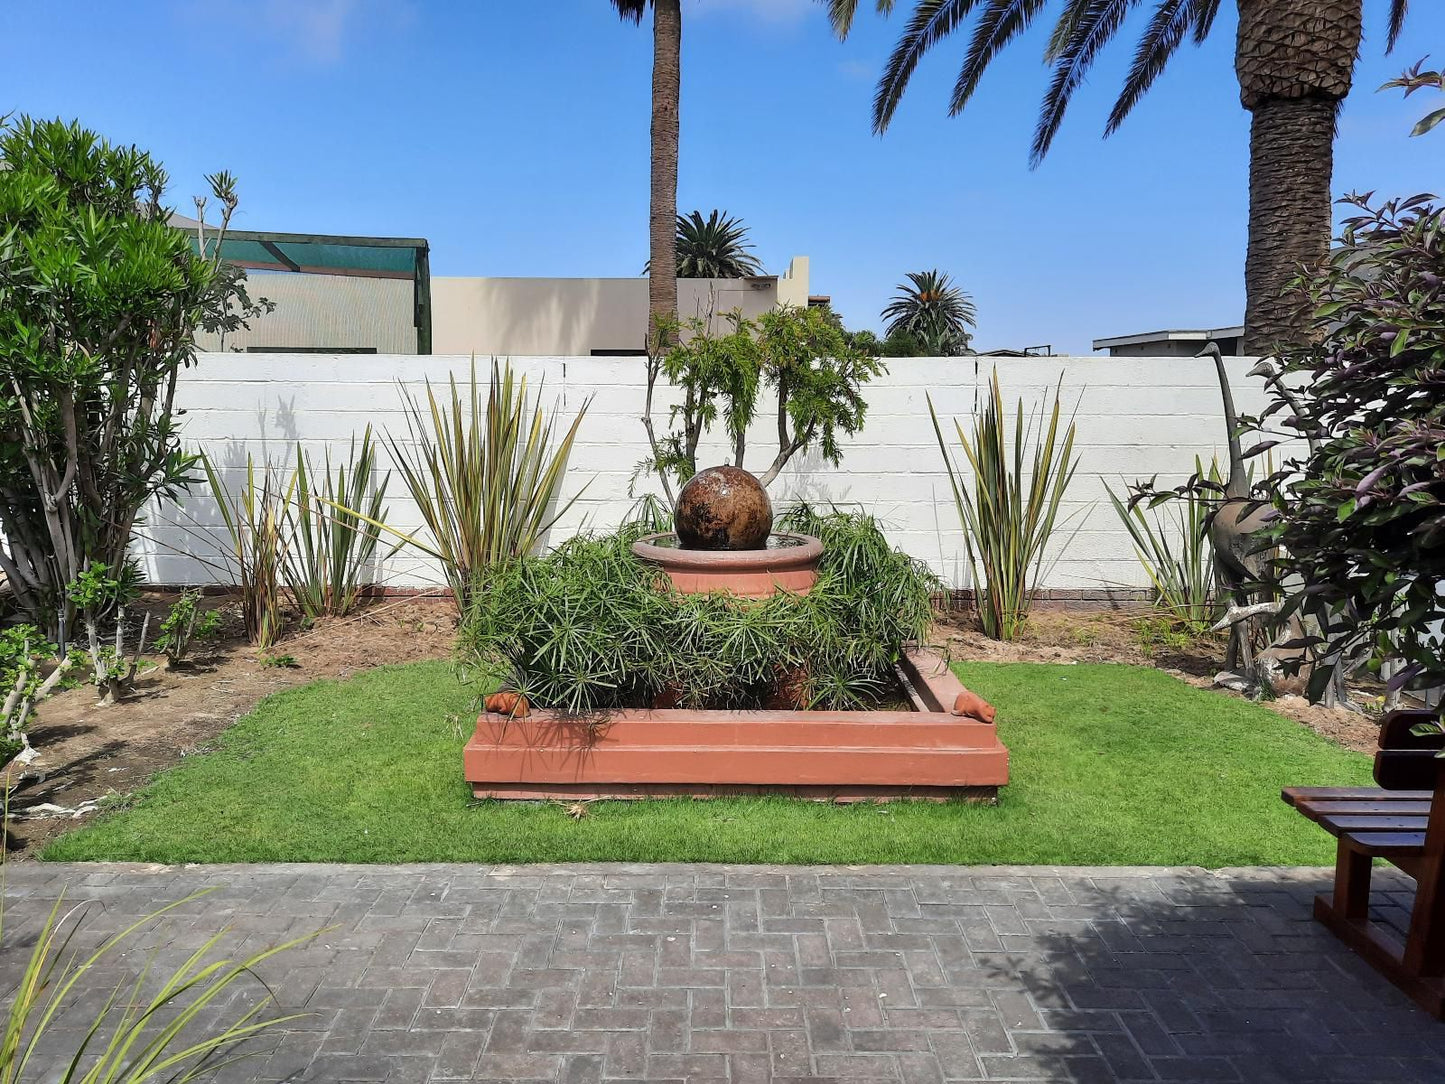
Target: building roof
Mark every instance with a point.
(1188, 335)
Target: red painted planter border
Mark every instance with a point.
(842, 756)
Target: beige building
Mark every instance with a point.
(572, 317)
(1176, 343)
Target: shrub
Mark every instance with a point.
(95, 592)
(23, 652)
(184, 625)
(1361, 518)
(1011, 511)
(100, 301)
(590, 627)
(256, 554)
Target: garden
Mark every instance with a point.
(300, 714)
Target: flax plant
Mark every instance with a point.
(1008, 514)
(135, 1035)
(1172, 543)
(330, 544)
(484, 474)
(257, 554)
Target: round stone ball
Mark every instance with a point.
(723, 508)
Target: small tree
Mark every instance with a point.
(100, 301)
(815, 368)
(1361, 519)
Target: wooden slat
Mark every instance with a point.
(1295, 795)
(1386, 844)
(1363, 808)
(1337, 824)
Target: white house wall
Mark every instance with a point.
(1137, 417)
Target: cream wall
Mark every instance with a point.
(538, 317)
(332, 312)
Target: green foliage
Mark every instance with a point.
(1361, 519)
(23, 653)
(1415, 78)
(1010, 512)
(257, 534)
(813, 367)
(589, 627)
(185, 624)
(96, 592)
(1172, 543)
(933, 313)
(485, 475)
(278, 661)
(330, 545)
(100, 302)
(161, 1027)
(715, 247)
(368, 770)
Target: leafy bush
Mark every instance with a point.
(184, 625)
(1361, 519)
(100, 302)
(95, 592)
(23, 652)
(1011, 511)
(590, 627)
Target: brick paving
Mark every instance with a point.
(717, 973)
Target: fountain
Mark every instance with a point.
(724, 540)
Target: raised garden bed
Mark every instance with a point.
(840, 756)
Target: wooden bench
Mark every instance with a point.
(1399, 821)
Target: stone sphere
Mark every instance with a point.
(723, 508)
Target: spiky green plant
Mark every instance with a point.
(332, 545)
(1010, 511)
(1172, 543)
(589, 627)
(485, 475)
(138, 1034)
(256, 527)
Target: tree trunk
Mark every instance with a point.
(666, 91)
(1291, 151)
(1295, 60)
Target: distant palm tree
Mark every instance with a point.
(934, 311)
(662, 204)
(1294, 60)
(715, 247)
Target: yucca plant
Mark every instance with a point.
(331, 544)
(484, 474)
(1172, 543)
(1011, 509)
(256, 525)
(138, 1034)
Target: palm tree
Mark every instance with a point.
(1294, 60)
(662, 204)
(934, 311)
(715, 247)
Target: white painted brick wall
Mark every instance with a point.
(1137, 417)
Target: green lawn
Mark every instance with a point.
(1111, 765)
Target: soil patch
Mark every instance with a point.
(92, 754)
(1147, 639)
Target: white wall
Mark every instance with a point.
(1137, 417)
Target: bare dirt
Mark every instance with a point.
(1143, 639)
(89, 753)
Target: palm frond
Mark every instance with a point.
(1172, 20)
(1398, 11)
(999, 24)
(1092, 29)
(841, 13)
(932, 21)
(631, 9)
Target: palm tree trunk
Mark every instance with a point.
(666, 93)
(1291, 154)
(1295, 60)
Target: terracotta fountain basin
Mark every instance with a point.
(788, 563)
(840, 756)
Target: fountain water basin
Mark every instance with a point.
(789, 562)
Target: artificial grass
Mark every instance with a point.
(1111, 765)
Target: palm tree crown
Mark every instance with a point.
(715, 247)
(934, 311)
(1083, 28)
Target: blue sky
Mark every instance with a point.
(514, 136)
